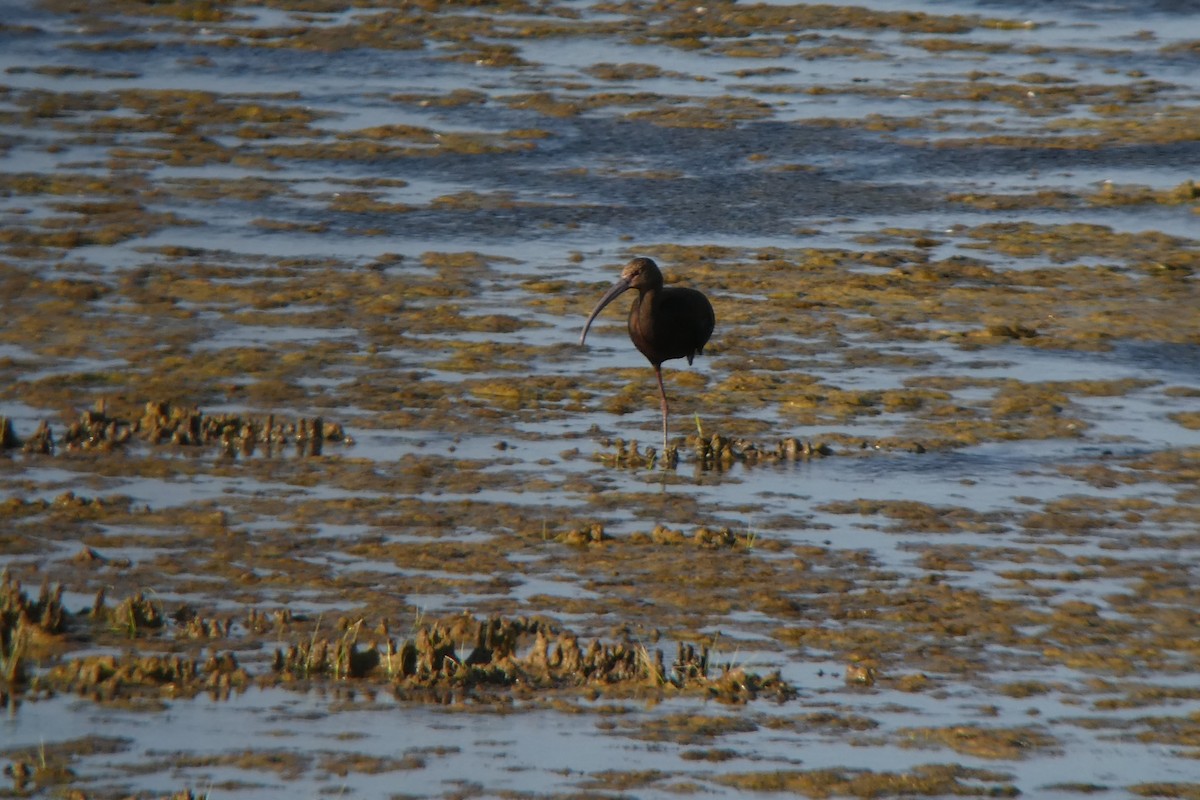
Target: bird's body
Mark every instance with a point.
(665, 322)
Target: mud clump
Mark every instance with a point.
(136, 614)
(716, 451)
(162, 422)
(40, 443)
(453, 659)
(35, 630)
(28, 628)
(8, 437)
(478, 657)
(110, 678)
(721, 452)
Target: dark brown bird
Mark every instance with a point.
(664, 322)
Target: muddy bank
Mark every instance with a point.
(306, 486)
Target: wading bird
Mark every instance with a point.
(664, 322)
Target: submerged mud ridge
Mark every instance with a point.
(305, 487)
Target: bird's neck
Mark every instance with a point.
(643, 304)
(649, 297)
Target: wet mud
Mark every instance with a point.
(305, 486)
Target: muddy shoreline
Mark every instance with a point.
(306, 487)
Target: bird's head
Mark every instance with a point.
(641, 273)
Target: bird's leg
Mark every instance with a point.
(662, 393)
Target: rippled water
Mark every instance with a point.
(806, 170)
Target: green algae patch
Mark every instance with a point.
(715, 113)
(1071, 241)
(1188, 419)
(980, 742)
(1107, 195)
(1166, 789)
(910, 515)
(500, 541)
(931, 780)
(692, 729)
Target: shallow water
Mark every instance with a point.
(958, 249)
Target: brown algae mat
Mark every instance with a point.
(294, 433)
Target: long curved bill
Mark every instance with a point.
(612, 294)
